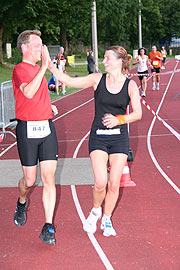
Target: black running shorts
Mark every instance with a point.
(157, 70)
(164, 59)
(143, 72)
(111, 144)
(33, 150)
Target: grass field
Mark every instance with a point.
(78, 70)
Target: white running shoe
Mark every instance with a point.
(143, 94)
(157, 87)
(90, 225)
(154, 88)
(107, 227)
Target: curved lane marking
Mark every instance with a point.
(176, 188)
(91, 236)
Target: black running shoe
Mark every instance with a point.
(47, 234)
(20, 213)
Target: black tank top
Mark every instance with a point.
(106, 102)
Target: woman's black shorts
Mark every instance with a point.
(111, 144)
(32, 150)
(143, 72)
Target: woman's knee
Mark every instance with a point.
(113, 186)
(100, 186)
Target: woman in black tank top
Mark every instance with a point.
(109, 140)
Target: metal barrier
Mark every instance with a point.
(53, 50)
(7, 108)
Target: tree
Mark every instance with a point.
(9, 9)
(111, 16)
(58, 20)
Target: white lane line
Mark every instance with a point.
(91, 236)
(149, 139)
(81, 215)
(8, 148)
(75, 92)
(73, 109)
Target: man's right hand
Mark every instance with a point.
(45, 57)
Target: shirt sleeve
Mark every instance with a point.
(20, 75)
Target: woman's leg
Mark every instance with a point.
(99, 161)
(141, 82)
(117, 163)
(145, 83)
(57, 87)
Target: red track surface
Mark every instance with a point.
(146, 218)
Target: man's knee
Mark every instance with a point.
(48, 178)
(28, 181)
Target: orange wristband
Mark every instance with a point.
(121, 119)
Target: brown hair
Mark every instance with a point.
(23, 38)
(90, 53)
(120, 52)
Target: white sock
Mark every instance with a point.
(154, 84)
(97, 211)
(106, 217)
(157, 84)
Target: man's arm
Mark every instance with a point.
(29, 89)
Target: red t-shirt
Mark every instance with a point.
(34, 109)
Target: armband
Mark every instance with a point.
(121, 119)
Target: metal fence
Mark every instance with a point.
(7, 108)
(53, 50)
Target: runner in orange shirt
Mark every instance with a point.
(155, 58)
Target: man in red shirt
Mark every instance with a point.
(36, 135)
(155, 58)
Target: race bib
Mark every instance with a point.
(114, 131)
(38, 129)
(155, 63)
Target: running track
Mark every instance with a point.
(147, 216)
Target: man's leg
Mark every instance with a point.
(25, 183)
(154, 80)
(48, 169)
(28, 180)
(158, 81)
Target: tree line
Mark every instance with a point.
(69, 21)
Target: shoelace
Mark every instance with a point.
(92, 218)
(21, 209)
(51, 230)
(108, 224)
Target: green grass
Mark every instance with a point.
(5, 73)
(79, 70)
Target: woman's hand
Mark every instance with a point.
(110, 120)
